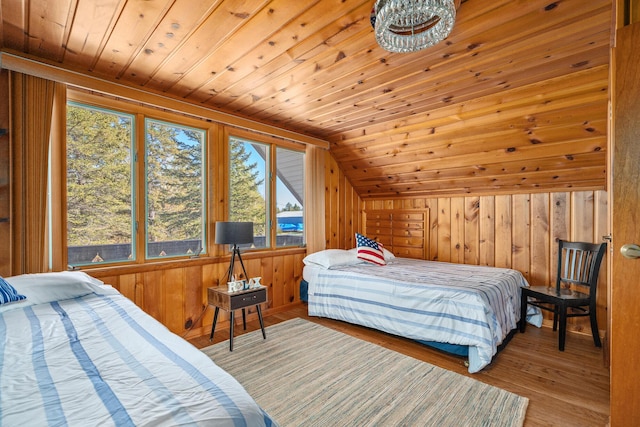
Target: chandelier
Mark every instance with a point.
(410, 25)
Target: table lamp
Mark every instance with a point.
(234, 233)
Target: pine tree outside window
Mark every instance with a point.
(175, 203)
(100, 190)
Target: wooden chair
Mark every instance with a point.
(575, 291)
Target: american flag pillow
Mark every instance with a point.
(369, 250)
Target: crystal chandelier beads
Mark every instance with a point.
(411, 25)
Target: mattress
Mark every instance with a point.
(458, 350)
(457, 304)
(95, 359)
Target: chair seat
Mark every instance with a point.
(571, 295)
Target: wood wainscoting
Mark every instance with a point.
(175, 293)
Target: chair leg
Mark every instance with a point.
(563, 327)
(523, 312)
(555, 318)
(594, 329)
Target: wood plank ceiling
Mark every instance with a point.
(515, 100)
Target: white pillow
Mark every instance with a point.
(43, 288)
(332, 258)
(388, 255)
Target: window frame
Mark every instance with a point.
(270, 176)
(276, 197)
(58, 188)
(132, 168)
(216, 180)
(203, 194)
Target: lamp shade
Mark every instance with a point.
(234, 233)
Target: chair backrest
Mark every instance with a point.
(579, 263)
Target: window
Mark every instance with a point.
(103, 225)
(175, 204)
(132, 184)
(266, 187)
(289, 197)
(248, 190)
(100, 191)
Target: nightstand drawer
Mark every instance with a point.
(247, 299)
(221, 298)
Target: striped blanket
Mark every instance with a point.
(457, 304)
(101, 361)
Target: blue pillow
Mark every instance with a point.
(8, 293)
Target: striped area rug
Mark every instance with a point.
(305, 374)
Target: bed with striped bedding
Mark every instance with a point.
(96, 359)
(457, 304)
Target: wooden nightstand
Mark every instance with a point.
(220, 297)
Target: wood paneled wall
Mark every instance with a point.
(175, 293)
(5, 205)
(342, 207)
(518, 231)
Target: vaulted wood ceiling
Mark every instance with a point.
(514, 100)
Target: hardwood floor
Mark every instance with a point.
(569, 388)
